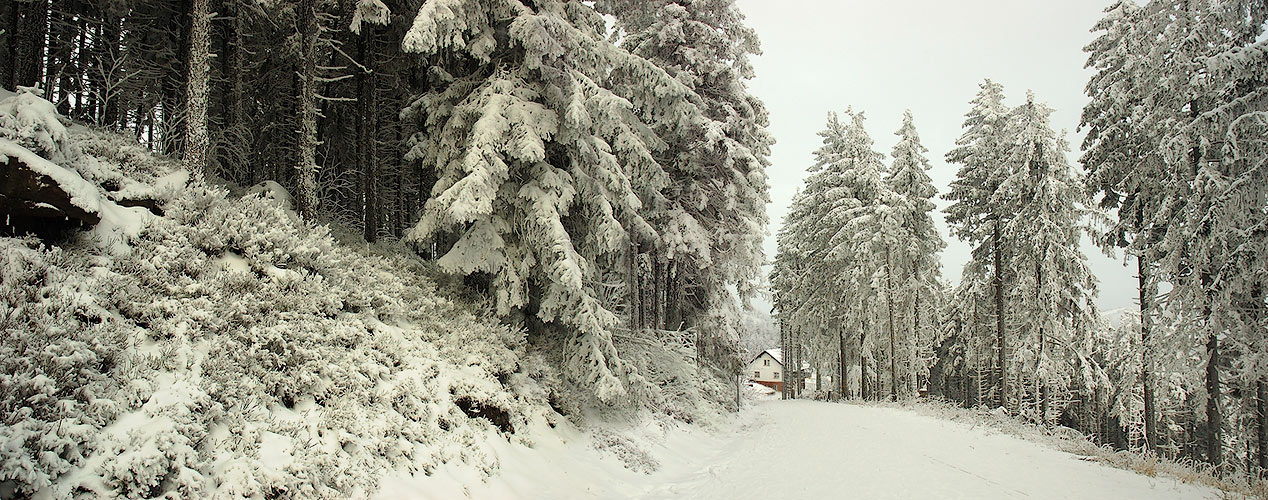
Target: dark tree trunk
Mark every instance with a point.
(306, 109)
(8, 41)
(236, 101)
(977, 358)
(197, 143)
(661, 270)
(1001, 345)
(1261, 407)
(111, 34)
(790, 357)
(63, 32)
(635, 293)
(674, 297)
(1214, 419)
(864, 387)
(95, 76)
(173, 99)
(893, 341)
(402, 183)
(84, 64)
(367, 134)
(841, 363)
(783, 348)
(1146, 361)
(915, 342)
(30, 31)
(1042, 392)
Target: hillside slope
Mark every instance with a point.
(217, 346)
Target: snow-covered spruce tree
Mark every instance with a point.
(1053, 296)
(1129, 119)
(1183, 33)
(962, 360)
(1181, 39)
(1176, 99)
(808, 289)
(712, 217)
(1232, 199)
(916, 252)
(1125, 168)
(1223, 218)
(974, 216)
(829, 276)
(799, 268)
(871, 227)
(543, 170)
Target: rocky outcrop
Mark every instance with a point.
(34, 202)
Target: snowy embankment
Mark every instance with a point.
(221, 347)
(805, 449)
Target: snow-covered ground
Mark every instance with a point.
(804, 449)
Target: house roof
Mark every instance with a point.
(778, 354)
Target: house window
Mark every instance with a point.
(766, 362)
(776, 374)
(757, 374)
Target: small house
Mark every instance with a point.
(767, 368)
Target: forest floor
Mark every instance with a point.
(803, 449)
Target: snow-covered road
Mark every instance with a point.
(795, 450)
(807, 449)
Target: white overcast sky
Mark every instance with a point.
(883, 57)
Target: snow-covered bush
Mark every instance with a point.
(33, 123)
(56, 346)
(626, 450)
(687, 390)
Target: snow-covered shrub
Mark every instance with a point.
(626, 450)
(687, 390)
(152, 451)
(33, 123)
(57, 349)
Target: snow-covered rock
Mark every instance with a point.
(36, 193)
